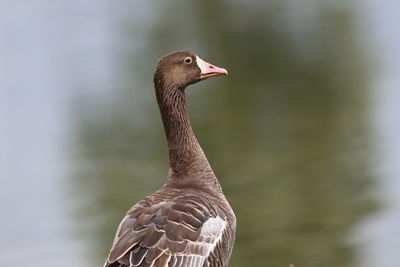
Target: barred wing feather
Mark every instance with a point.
(182, 232)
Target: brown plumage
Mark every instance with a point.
(188, 222)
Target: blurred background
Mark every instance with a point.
(303, 133)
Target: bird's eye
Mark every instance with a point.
(188, 60)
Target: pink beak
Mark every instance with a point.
(208, 70)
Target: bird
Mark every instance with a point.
(188, 222)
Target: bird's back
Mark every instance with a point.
(175, 227)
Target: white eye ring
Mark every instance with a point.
(188, 60)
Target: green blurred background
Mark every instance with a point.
(297, 133)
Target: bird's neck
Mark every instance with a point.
(187, 160)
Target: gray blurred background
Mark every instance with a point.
(303, 133)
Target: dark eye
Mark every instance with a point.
(188, 60)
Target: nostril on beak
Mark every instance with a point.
(211, 66)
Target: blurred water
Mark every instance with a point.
(43, 47)
(302, 133)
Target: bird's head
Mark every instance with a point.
(182, 68)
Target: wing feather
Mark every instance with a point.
(136, 259)
(180, 232)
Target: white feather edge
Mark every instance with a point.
(212, 227)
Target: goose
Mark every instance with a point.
(188, 222)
